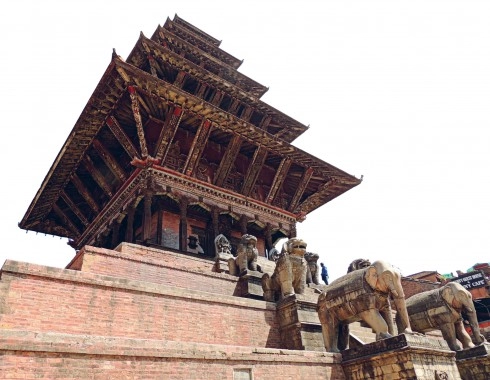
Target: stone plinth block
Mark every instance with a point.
(299, 324)
(250, 285)
(474, 363)
(405, 356)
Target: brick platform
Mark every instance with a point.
(141, 313)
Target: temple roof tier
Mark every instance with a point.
(193, 38)
(167, 64)
(161, 124)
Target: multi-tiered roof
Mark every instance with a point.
(178, 125)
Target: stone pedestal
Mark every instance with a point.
(299, 324)
(250, 285)
(405, 356)
(474, 363)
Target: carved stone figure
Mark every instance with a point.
(312, 268)
(223, 253)
(247, 254)
(289, 276)
(274, 254)
(193, 245)
(441, 309)
(358, 264)
(362, 295)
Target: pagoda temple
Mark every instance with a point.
(174, 142)
(175, 148)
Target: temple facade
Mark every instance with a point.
(175, 142)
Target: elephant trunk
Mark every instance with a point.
(470, 312)
(403, 322)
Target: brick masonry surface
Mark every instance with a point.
(141, 313)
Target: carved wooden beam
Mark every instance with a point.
(142, 103)
(247, 113)
(167, 134)
(66, 221)
(279, 178)
(305, 178)
(115, 233)
(231, 153)
(265, 123)
(197, 147)
(179, 81)
(123, 139)
(218, 96)
(183, 203)
(201, 90)
(129, 235)
(74, 208)
(234, 106)
(147, 216)
(77, 182)
(154, 67)
(254, 169)
(109, 160)
(97, 175)
(137, 118)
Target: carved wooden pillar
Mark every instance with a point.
(292, 230)
(159, 224)
(147, 217)
(243, 224)
(115, 233)
(268, 237)
(130, 224)
(184, 202)
(215, 221)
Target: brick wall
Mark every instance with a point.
(63, 356)
(131, 261)
(54, 300)
(413, 286)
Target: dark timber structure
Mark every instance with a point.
(175, 141)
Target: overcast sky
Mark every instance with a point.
(396, 91)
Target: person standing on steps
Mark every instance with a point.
(324, 273)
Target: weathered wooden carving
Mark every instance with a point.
(312, 268)
(289, 276)
(362, 294)
(441, 309)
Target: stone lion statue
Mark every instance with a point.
(247, 254)
(289, 276)
(358, 264)
(312, 268)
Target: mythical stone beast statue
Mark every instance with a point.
(223, 254)
(312, 270)
(441, 309)
(358, 264)
(289, 276)
(247, 254)
(362, 295)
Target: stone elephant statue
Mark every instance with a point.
(362, 295)
(441, 309)
(289, 276)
